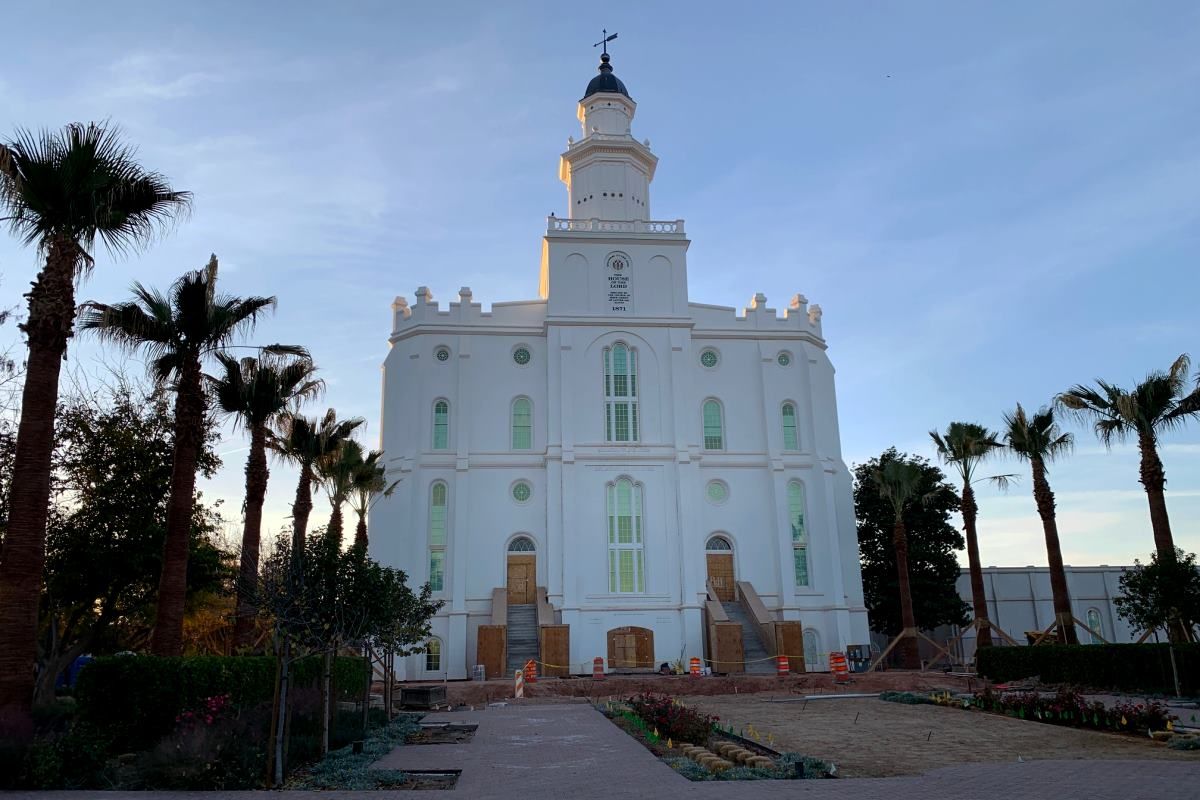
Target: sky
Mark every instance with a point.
(991, 202)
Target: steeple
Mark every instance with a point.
(607, 172)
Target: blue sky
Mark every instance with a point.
(991, 202)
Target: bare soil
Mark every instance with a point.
(552, 689)
(868, 737)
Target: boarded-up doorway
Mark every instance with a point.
(630, 648)
(521, 571)
(719, 555)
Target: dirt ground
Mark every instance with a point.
(478, 692)
(868, 737)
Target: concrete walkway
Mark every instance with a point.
(570, 751)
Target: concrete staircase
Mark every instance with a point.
(522, 636)
(753, 650)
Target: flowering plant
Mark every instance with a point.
(212, 709)
(1069, 707)
(670, 719)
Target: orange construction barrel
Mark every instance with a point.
(531, 671)
(597, 668)
(694, 668)
(782, 668)
(839, 667)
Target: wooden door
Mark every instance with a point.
(720, 572)
(630, 647)
(522, 579)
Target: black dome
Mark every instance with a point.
(605, 81)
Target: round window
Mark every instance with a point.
(784, 359)
(521, 355)
(442, 354)
(521, 491)
(709, 358)
(717, 491)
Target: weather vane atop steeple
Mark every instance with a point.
(604, 42)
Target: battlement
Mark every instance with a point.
(426, 311)
(799, 316)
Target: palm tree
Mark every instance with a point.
(306, 441)
(1157, 405)
(964, 446)
(900, 483)
(337, 472)
(178, 331)
(1039, 440)
(368, 486)
(59, 191)
(256, 391)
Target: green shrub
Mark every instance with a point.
(1116, 667)
(907, 698)
(1184, 743)
(138, 698)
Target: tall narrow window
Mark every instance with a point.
(437, 537)
(620, 394)
(1093, 620)
(799, 533)
(788, 412)
(626, 560)
(714, 434)
(441, 425)
(522, 424)
(433, 655)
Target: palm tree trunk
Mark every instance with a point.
(1154, 480)
(1044, 497)
(51, 318)
(334, 531)
(360, 532)
(172, 585)
(257, 475)
(301, 508)
(970, 511)
(906, 650)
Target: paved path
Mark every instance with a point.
(569, 751)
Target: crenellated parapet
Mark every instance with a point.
(425, 311)
(798, 317)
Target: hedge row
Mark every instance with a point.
(1116, 667)
(137, 698)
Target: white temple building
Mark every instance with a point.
(610, 470)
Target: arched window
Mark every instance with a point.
(1093, 621)
(437, 536)
(795, 499)
(626, 559)
(620, 394)
(522, 424)
(812, 651)
(714, 428)
(441, 425)
(521, 544)
(433, 655)
(718, 544)
(788, 415)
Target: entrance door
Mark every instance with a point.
(719, 556)
(521, 571)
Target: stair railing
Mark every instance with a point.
(757, 612)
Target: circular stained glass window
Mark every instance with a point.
(717, 491)
(709, 358)
(784, 359)
(521, 356)
(521, 491)
(442, 354)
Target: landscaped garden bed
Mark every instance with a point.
(349, 768)
(1065, 706)
(695, 746)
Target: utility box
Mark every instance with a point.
(859, 657)
(423, 697)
